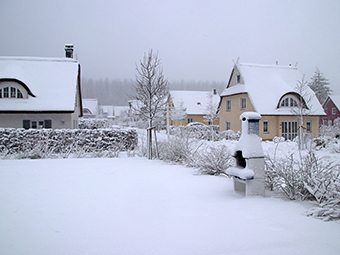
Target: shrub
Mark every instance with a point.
(176, 150)
(310, 178)
(213, 160)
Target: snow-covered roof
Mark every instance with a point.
(120, 110)
(108, 110)
(91, 104)
(53, 82)
(336, 100)
(195, 101)
(266, 84)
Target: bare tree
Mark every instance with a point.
(211, 113)
(151, 91)
(303, 108)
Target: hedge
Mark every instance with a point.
(41, 143)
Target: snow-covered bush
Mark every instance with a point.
(311, 178)
(95, 123)
(329, 143)
(229, 135)
(212, 160)
(331, 130)
(203, 132)
(48, 143)
(176, 149)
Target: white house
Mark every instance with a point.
(40, 92)
(270, 90)
(90, 108)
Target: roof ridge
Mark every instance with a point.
(267, 66)
(38, 59)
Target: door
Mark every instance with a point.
(289, 129)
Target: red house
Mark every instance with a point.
(332, 109)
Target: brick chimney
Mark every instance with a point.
(69, 50)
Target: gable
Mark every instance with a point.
(266, 85)
(335, 99)
(51, 84)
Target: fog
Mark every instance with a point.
(196, 40)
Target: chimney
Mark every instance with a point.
(214, 91)
(69, 50)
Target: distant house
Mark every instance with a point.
(270, 91)
(332, 109)
(40, 92)
(106, 111)
(120, 111)
(195, 104)
(90, 108)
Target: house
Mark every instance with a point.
(270, 91)
(120, 111)
(106, 111)
(90, 108)
(40, 92)
(193, 104)
(332, 109)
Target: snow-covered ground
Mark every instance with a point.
(135, 206)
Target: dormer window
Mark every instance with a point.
(291, 100)
(10, 92)
(13, 88)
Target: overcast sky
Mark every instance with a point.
(196, 40)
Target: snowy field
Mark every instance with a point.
(135, 206)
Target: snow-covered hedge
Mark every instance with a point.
(203, 132)
(47, 143)
(311, 178)
(95, 123)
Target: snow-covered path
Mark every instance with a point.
(135, 206)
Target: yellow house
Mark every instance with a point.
(272, 92)
(191, 106)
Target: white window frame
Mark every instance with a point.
(309, 126)
(227, 125)
(333, 111)
(228, 105)
(265, 126)
(243, 103)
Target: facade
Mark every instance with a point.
(194, 105)
(271, 92)
(40, 92)
(331, 108)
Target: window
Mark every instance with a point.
(10, 92)
(333, 110)
(6, 92)
(309, 126)
(27, 124)
(190, 120)
(238, 77)
(289, 129)
(228, 125)
(289, 101)
(243, 103)
(228, 105)
(326, 110)
(265, 126)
